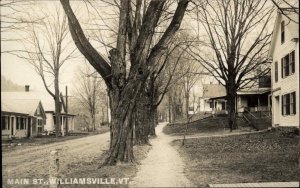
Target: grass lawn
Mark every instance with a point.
(89, 169)
(261, 157)
(120, 171)
(207, 125)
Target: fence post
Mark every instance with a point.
(54, 169)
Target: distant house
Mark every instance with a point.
(48, 108)
(284, 53)
(21, 118)
(51, 121)
(214, 97)
(252, 99)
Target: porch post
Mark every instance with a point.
(30, 125)
(62, 125)
(269, 104)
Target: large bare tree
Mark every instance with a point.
(164, 74)
(235, 49)
(134, 40)
(47, 49)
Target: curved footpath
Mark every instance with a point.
(163, 166)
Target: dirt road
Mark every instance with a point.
(163, 166)
(33, 161)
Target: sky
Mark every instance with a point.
(20, 71)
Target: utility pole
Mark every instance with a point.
(67, 115)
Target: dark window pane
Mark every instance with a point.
(286, 65)
(276, 71)
(294, 102)
(282, 32)
(287, 104)
(292, 62)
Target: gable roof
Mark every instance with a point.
(291, 26)
(47, 101)
(213, 90)
(28, 106)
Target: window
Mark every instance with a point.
(20, 123)
(40, 122)
(191, 108)
(288, 64)
(40, 125)
(5, 123)
(40, 129)
(276, 71)
(293, 103)
(282, 32)
(289, 104)
(286, 104)
(264, 81)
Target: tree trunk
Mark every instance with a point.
(121, 142)
(142, 119)
(153, 121)
(142, 122)
(187, 99)
(93, 122)
(123, 103)
(57, 106)
(170, 109)
(231, 102)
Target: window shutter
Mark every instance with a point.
(276, 71)
(292, 61)
(282, 68)
(294, 100)
(288, 104)
(286, 63)
(282, 105)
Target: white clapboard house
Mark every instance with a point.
(284, 53)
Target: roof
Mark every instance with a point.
(53, 112)
(213, 91)
(216, 91)
(291, 26)
(20, 106)
(253, 91)
(45, 98)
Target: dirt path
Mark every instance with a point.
(163, 166)
(33, 161)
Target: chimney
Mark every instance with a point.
(27, 88)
